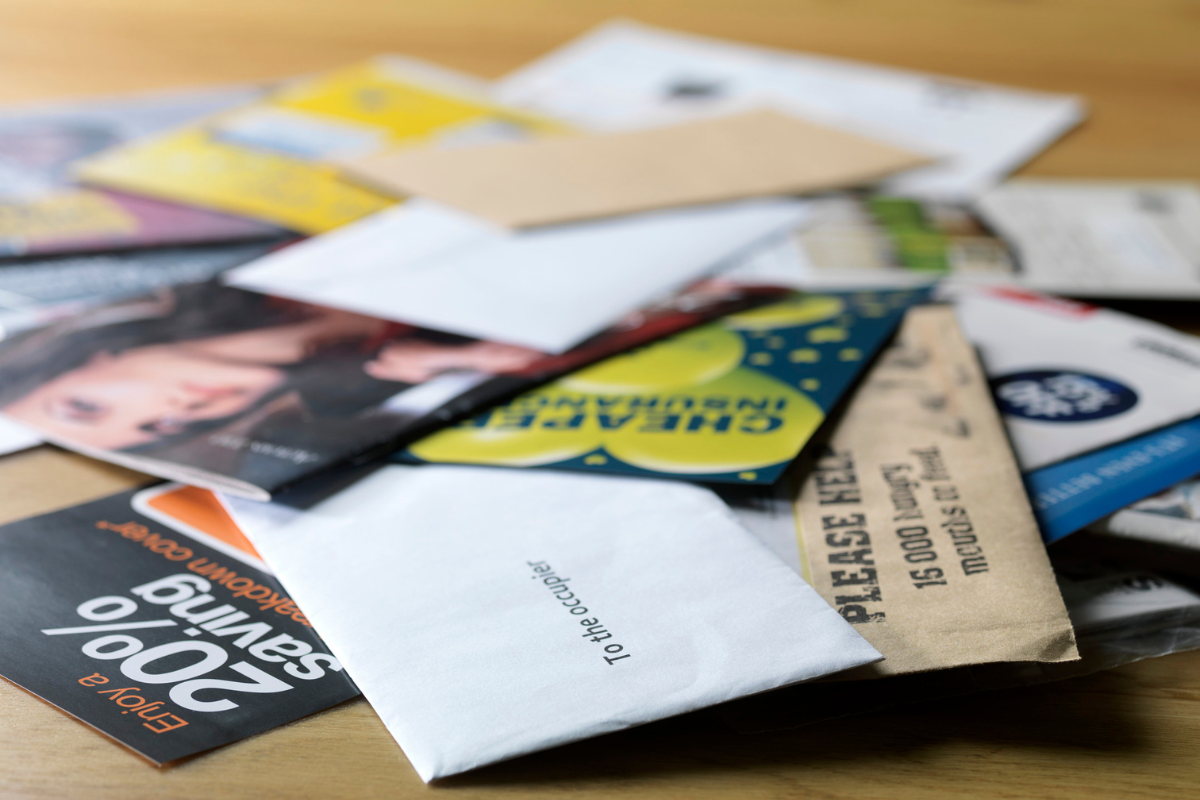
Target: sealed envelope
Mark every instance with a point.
(914, 523)
(559, 179)
(489, 613)
(550, 289)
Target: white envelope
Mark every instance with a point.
(453, 596)
(1070, 378)
(548, 288)
(625, 75)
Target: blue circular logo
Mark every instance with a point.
(1054, 395)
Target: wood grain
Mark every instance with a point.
(1132, 732)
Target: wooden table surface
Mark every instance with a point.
(1131, 732)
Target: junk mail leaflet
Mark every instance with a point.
(218, 387)
(43, 211)
(1070, 378)
(157, 639)
(733, 401)
(1072, 494)
(273, 160)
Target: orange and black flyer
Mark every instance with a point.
(169, 642)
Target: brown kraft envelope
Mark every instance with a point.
(569, 178)
(914, 523)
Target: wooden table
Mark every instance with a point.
(1130, 732)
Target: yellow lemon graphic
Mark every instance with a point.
(541, 427)
(797, 309)
(687, 359)
(741, 421)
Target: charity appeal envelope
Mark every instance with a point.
(274, 160)
(1070, 377)
(171, 643)
(511, 612)
(559, 179)
(551, 288)
(625, 75)
(914, 524)
(732, 401)
(1101, 238)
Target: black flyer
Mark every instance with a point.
(153, 637)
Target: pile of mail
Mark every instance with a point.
(661, 374)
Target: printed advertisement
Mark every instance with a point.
(170, 643)
(42, 211)
(274, 161)
(733, 401)
(247, 393)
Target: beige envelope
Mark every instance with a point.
(575, 177)
(915, 525)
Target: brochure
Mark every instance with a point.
(274, 160)
(733, 401)
(1071, 378)
(43, 211)
(1072, 494)
(853, 239)
(913, 523)
(626, 75)
(219, 387)
(587, 604)
(1101, 238)
(169, 643)
(427, 264)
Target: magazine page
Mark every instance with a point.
(733, 401)
(170, 643)
(275, 160)
(225, 388)
(43, 210)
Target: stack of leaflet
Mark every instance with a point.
(664, 373)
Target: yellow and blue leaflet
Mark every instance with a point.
(732, 401)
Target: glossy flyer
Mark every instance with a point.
(732, 401)
(275, 160)
(170, 643)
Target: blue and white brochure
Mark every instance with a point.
(1075, 493)
(1071, 378)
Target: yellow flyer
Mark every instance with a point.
(732, 401)
(275, 160)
